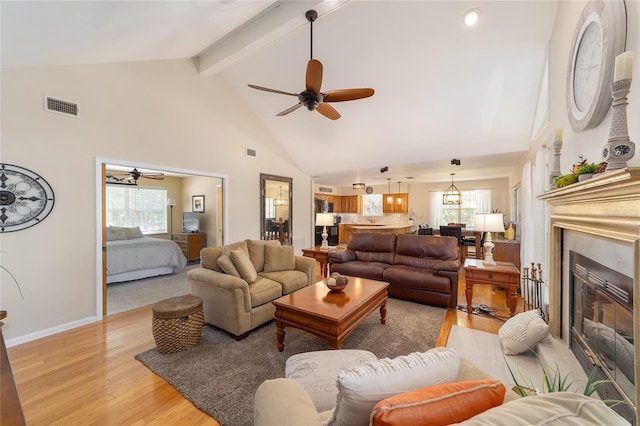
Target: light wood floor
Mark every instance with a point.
(88, 375)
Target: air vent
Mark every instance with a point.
(61, 107)
(250, 152)
(325, 189)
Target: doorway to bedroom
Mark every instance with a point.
(146, 250)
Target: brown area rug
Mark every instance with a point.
(220, 375)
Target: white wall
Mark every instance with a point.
(588, 143)
(154, 113)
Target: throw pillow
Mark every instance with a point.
(362, 387)
(242, 262)
(227, 266)
(440, 404)
(522, 332)
(279, 258)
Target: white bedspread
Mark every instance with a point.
(143, 253)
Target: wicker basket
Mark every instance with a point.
(177, 323)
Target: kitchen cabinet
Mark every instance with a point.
(395, 203)
(349, 204)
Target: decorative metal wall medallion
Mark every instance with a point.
(26, 198)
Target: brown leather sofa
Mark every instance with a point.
(421, 268)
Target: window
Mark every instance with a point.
(132, 206)
(269, 208)
(478, 201)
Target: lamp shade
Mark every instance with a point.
(489, 222)
(324, 219)
(170, 202)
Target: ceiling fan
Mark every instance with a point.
(312, 98)
(133, 176)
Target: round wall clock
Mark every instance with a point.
(598, 39)
(369, 190)
(25, 198)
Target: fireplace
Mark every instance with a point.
(594, 270)
(602, 329)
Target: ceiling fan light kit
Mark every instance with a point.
(312, 98)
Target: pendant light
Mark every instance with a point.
(389, 196)
(399, 199)
(452, 196)
(281, 201)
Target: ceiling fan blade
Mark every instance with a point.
(156, 177)
(328, 111)
(288, 110)
(314, 75)
(347, 94)
(266, 89)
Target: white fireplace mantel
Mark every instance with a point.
(605, 211)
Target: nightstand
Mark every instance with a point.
(191, 243)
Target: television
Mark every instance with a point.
(190, 222)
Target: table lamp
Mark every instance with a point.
(324, 219)
(489, 222)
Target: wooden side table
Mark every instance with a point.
(190, 243)
(503, 274)
(322, 256)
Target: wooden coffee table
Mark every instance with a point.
(330, 316)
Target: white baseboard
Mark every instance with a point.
(49, 331)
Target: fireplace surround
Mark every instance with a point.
(599, 219)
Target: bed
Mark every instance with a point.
(132, 256)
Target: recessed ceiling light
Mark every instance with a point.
(470, 18)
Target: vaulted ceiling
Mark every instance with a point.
(442, 90)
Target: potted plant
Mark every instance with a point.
(586, 171)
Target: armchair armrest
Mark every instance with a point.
(342, 256)
(308, 266)
(205, 280)
(446, 265)
(283, 402)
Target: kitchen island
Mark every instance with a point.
(346, 229)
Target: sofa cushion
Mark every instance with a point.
(556, 408)
(373, 247)
(256, 251)
(264, 290)
(228, 267)
(423, 251)
(522, 332)
(361, 388)
(439, 404)
(410, 277)
(316, 372)
(209, 255)
(243, 265)
(290, 281)
(279, 258)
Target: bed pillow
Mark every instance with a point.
(228, 266)
(244, 266)
(522, 332)
(130, 233)
(116, 235)
(439, 404)
(360, 388)
(279, 258)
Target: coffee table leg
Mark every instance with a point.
(280, 334)
(383, 312)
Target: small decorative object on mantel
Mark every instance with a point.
(336, 282)
(619, 149)
(555, 167)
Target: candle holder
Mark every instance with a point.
(555, 167)
(619, 149)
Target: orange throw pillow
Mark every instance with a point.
(439, 404)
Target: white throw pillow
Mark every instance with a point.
(361, 388)
(522, 332)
